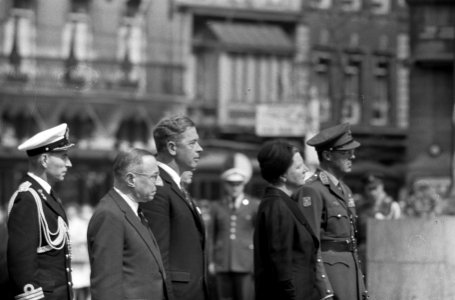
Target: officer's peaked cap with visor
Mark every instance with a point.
(50, 140)
(337, 137)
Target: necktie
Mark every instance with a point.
(145, 222)
(188, 198)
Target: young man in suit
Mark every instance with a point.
(174, 218)
(124, 257)
(38, 250)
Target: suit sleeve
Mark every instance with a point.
(23, 241)
(280, 229)
(105, 237)
(158, 215)
(314, 212)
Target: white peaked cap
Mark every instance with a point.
(241, 170)
(52, 139)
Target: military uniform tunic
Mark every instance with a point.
(331, 211)
(38, 244)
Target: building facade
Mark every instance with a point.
(110, 69)
(244, 70)
(431, 143)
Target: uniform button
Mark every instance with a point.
(323, 275)
(339, 216)
(67, 255)
(232, 236)
(234, 217)
(67, 270)
(70, 283)
(329, 291)
(318, 260)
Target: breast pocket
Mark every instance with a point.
(338, 221)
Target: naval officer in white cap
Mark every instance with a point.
(231, 230)
(38, 254)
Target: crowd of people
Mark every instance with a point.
(149, 239)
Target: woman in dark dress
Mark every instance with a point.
(284, 245)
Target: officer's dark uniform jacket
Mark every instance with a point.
(331, 211)
(38, 244)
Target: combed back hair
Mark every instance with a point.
(169, 129)
(275, 158)
(127, 160)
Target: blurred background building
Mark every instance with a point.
(243, 70)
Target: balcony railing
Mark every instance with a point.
(94, 76)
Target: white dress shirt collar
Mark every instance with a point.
(46, 186)
(171, 173)
(131, 203)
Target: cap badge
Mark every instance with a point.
(306, 201)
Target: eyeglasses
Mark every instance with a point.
(156, 177)
(348, 153)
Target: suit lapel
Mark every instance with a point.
(167, 179)
(135, 222)
(48, 199)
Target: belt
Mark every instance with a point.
(342, 246)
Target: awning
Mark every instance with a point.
(259, 37)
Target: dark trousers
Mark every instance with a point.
(235, 286)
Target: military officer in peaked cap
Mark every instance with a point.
(38, 243)
(328, 204)
(231, 234)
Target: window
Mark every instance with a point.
(131, 43)
(321, 4)
(380, 109)
(380, 7)
(76, 42)
(260, 78)
(350, 5)
(351, 107)
(322, 85)
(19, 39)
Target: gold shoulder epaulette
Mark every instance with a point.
(24, 186)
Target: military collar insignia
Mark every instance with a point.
(351, 202)
(306, 201)
(324, 178)
(40, 191)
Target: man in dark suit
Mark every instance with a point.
(174, 218)
(327, 202)
(231, 234)
(124, 257)
(38, 250)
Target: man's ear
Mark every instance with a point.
(172, 147)
(43, 160)
(129, 179)
(327, 155)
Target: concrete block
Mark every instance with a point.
(411, 259)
